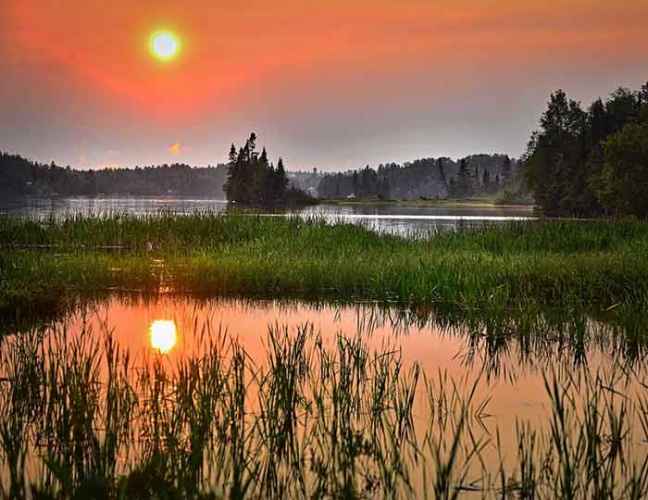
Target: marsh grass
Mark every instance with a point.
(82, 417)
(44, 263)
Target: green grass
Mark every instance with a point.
(542, 263)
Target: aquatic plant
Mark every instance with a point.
(43, 264)
(311, 418)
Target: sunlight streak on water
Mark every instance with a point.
(163, 335)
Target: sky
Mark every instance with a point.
(332, 84)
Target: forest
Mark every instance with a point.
(594, 162)
(433, 178)
(20, 177)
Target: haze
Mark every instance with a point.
(330, 84)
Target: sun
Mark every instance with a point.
(164, 45)
(163, 335)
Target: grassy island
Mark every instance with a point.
(541, 263)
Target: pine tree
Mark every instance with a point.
(463, 187)
(506, 169)
(232, 181)
(281, 181)
(441, 170)
(486, 180)
(253, 180)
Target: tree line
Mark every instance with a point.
(253, 180)
(581, 162)
(475, 175)
(22, 177)
(593, 162)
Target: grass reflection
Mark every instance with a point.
(310, 416)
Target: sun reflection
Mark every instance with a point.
(164, 45)
(163, 335)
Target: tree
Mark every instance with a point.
(557, 156)
(253, 180)
(232, 183)
(622, 107)
(643, 95)
(486, 180)
(506, 169)
(442, 174)
(281, 181)
(567, 164)
(463, 186)
(625, 172)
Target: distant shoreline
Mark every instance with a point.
(467, 203)
(447, 203)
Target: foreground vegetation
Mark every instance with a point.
(80, 417)
(83, 418)
(43, 263)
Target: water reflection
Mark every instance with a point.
(267, 388)
(499, 343)
(163, 335)
(395, 219)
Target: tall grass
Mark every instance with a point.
(572, 263)
(84, 418)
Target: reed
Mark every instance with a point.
(46, 263)
(312, 418)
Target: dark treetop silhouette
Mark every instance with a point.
(253, 180)
(595, 162)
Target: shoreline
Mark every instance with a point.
(457, 203)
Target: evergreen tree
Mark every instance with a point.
(506, 169)
(231, 186)
(253, 180)
(281, 180)
(442, 174)
(463, 187)
(486, 180)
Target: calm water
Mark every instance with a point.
(390, 218)
(496, 366)
(506, 360)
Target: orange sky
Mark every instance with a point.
(334, 84)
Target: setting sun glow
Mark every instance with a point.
(164, 45)
(163, 335)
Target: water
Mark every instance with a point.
(388, 218)
(504, 360)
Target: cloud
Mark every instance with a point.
(176, 149)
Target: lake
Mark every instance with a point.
(389, 218)
(483, 379)
(340, 398)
